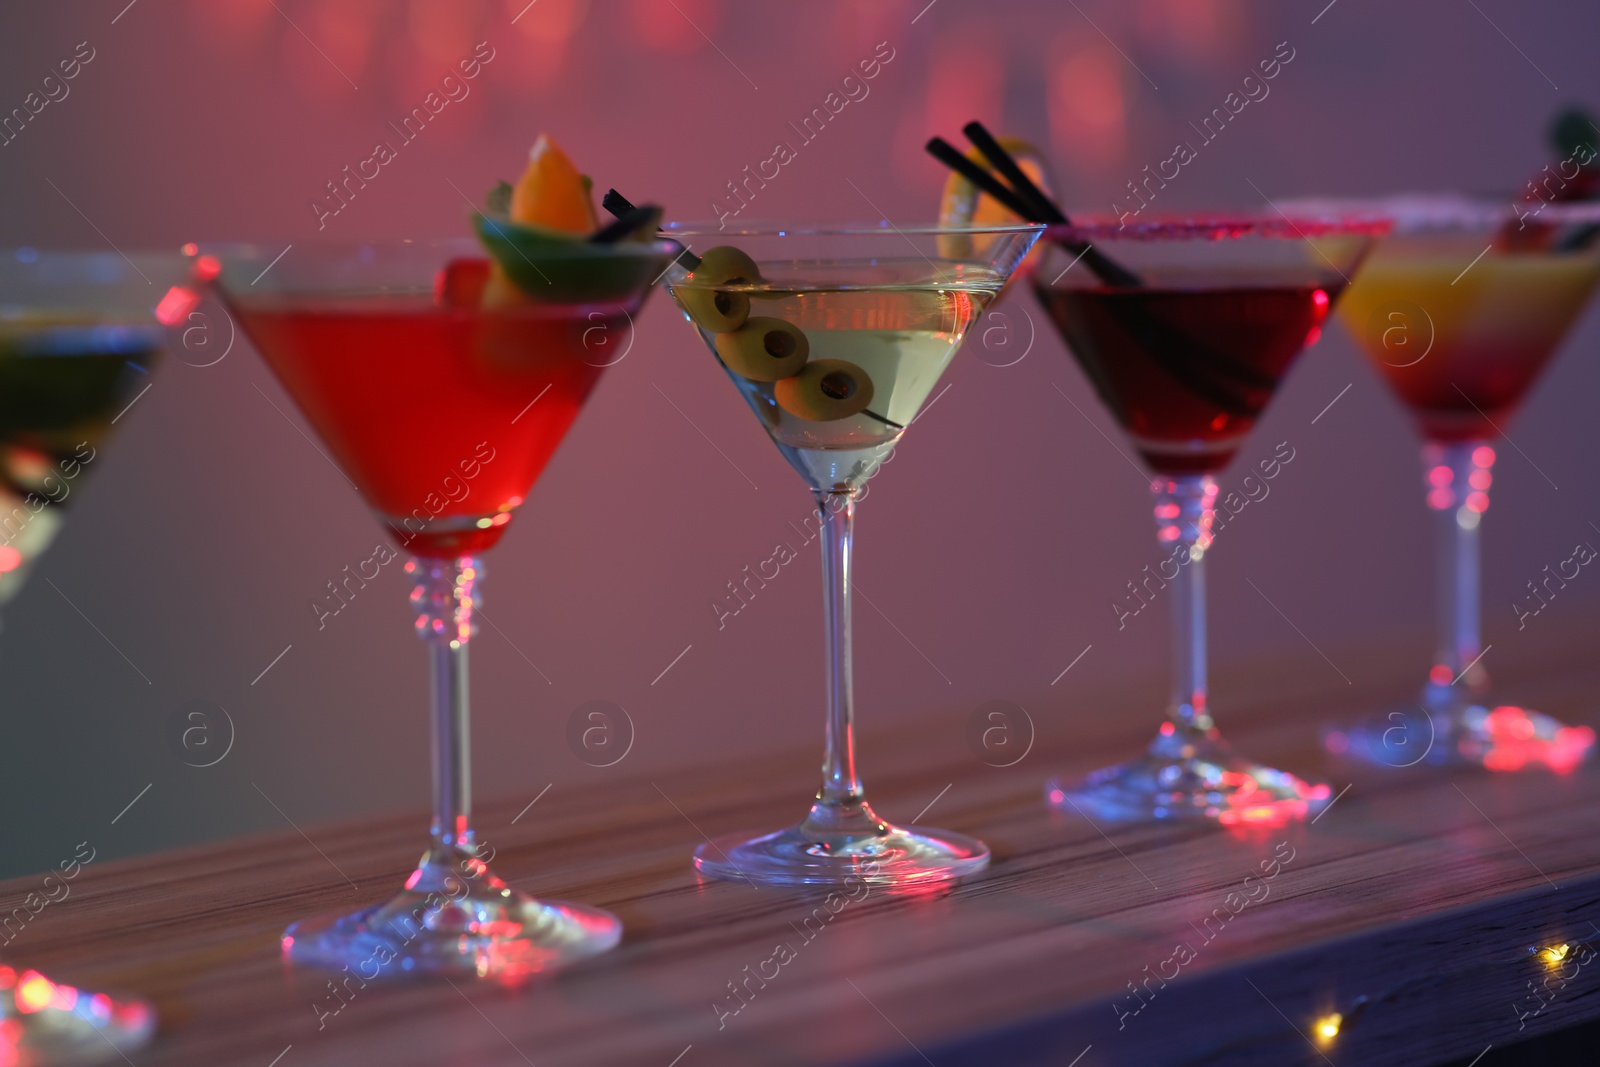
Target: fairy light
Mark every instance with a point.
(1553, 955)
(1327, 1027)
(34, 992)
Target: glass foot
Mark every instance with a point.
(838, 845)
(454, 918)
(1202, 780)
(45, 1023)
(1502, 738)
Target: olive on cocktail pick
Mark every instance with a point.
(707, 303)
(825, 390)
(764, 349)
(726, 265)
(716, 310)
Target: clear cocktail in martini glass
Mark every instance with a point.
(1186, 345)
(79, 334)
(836, 337)
(1459, 310)
(442, 403)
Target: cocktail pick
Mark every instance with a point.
(624, 210)
(628, 223)
(621, 207)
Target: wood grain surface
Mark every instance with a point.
(1419, 891)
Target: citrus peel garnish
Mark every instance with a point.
(963, 204)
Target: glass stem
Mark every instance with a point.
(444, 596)
(1458, 478)
(840, 805)
(1184, 510)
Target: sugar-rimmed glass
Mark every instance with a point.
(1187, 360)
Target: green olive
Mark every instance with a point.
(715, 310)
(725, 265)
(825, 391)
(704, 299)
(764, 349)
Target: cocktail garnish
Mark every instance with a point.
(638, 223)
(551, 193)
(547, 244)
(1001, 161)
(1026, 199)
(620, 206)
(762, 349)
(1573, 137)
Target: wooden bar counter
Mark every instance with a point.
(1410, 907)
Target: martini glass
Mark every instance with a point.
(1459, 310)
(79, 334)
(1187, 360)
(836, 337)
(442, 407)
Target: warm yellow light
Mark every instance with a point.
(1327, 1027)
(1555, 954)
(34, 992)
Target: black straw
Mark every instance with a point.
(1001, 161)
(1026, 200)
(947, 154)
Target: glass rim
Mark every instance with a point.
(121, 276)
(32, 255)
(1444, 210)
(1222, 227)
(709, 228)
(246, 249)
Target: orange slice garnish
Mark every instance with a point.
(552, 193)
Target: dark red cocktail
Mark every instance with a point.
(1187, 370)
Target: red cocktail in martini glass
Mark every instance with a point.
(1186, 344)
(442, 404)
